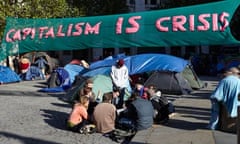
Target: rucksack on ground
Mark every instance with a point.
(124, 131)
(88, 129)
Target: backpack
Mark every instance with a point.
(122, 136)
(124, 131)
(88, 129)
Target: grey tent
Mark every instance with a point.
(33, 56)
(169, 82)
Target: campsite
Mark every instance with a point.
(170, 74)
(29, 116)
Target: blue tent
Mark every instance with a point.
(8, 76)
(65, 78)
(73, 70)
(108, 61)
(139, 64)
(59, 81)
(174, 73)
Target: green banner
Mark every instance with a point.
(205, 24)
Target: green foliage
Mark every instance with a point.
(35, 9)
(181, 3)
(57, 9)
(42, 9)
(101, 7)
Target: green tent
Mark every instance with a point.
(189, 74)
(101, 84)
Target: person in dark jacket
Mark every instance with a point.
(139, 111)
(160, 104)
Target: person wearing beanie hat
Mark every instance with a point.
(120, 79)
(120, 62)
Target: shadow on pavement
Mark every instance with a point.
(197, 95)
(25, 140)
(55, 119)
(39, 86)
(186, 125)
(62, 105)
(193, 110)
(21, 93)
(206, 118)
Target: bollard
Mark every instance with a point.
(238, 122)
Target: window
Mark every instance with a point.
(146, 2)
(151, 50)
(176, 51)
(132, 1)
(126, 51)
(108, 52)
(153, 2)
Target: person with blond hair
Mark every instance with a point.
(79, 115)
(87, 90)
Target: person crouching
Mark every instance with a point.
(78, 116)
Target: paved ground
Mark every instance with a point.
(188, 125)
(31, 117)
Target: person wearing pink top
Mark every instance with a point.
(78, 116)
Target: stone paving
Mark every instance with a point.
(31, 117)
(188, 125)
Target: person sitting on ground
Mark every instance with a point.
(104, 115)
(87, 91)
(78, 116)
(32, 73)
(139, 111)
(160, 105)
(116, 93)
(139, 88)
(24, 65)
(226, 94)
